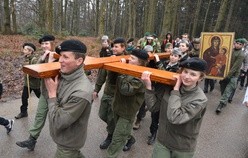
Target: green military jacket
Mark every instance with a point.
(181, 114)
(33, 82)
(129, 96)
(236, 63)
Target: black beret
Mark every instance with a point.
(30, 45)
(130, 40)
(46, 38)
(141, 54)
(194, 63)
(71, 45)
(119, 40)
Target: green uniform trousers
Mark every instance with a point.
(66, 153)
(161, 151)
(121, 134)
(106, 112)
(231, 86)
(40, 117)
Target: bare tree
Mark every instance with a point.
(7, 26)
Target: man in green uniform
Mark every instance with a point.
(229, 83)
(105, 111)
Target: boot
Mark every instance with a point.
(9, 126)
(129, 144)
(219, 108)
(151, 139)
(29, 143)
(106, 142)
(136, 125)
(21, 115)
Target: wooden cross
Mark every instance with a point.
(112, 63)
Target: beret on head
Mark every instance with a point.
(195, 63)
(46, 38)
(71, 45)
(241, 40)
(147, 34)
(30, 45)
(148, 48)
(119, 40)
(130, 40)
(177, 51)
(168, 44)
(141, 54)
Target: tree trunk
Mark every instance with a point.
(221, 15)
(229, 16)
(167, 21)
(49, 16)
(7, 27)
(206, 15)
(197, 12)
(13, 13)
(102, 18)
(151, 15)
(133, 4)
(174, 17)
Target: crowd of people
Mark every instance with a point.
(176, 111)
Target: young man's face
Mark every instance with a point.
(183, 47)
(169, 49)
(134, 60)
(118, 49)
(46, 46)
(174, 58)
(26, 51)
(238, 45)
(197, 46)
(68, 62)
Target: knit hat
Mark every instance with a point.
(46, 38)
(30, 45)
(148, 48)
(194, 63)
(241, 40)
(119, 40)
(130, 40)
(71, 45)
(141, 54)
(177, 51)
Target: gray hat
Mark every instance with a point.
(148, 48)
(105, 37)
(177, 51)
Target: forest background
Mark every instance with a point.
(87, 20)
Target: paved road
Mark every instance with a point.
(222, 136)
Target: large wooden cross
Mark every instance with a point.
(112, 63)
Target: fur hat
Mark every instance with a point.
(119, 40)
(195, 63)
(148, 48)
(30, 45)
(141, 54)
(46, 38)
(71, 45)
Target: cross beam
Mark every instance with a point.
(112, 63)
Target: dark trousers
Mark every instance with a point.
(242, 77)
(25, 96)
(154, 122)
(142, 112)
(3, 121)
(207, 83)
